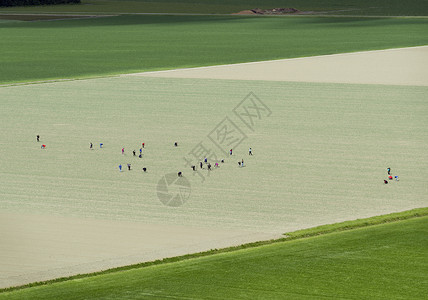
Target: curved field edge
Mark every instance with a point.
(132, 43)
(291, 236)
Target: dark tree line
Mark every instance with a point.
(35, 2)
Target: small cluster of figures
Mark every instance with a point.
(201, 165)
(390, 176)
(91, 146)
(134, 154)
(43, 146)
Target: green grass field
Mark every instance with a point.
(387, 261)
(104, 46)
(360, 7)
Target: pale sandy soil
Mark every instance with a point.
(41, 247)
(404, 66)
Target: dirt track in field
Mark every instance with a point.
(404, 66)
(35, 247)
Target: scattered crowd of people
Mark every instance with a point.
(207, 163)
(180, 173)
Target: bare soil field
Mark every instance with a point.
(320, 157)
(404, 66)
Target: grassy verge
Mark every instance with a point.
(348, 225)
(360, 7)
(306, 234)
(112, 45)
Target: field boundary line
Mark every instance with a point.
(275, 60)
(291, 236)
(144, 73)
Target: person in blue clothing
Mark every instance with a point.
(120, 168)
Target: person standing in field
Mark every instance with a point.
(133, 152)
(90, 146)
(242, 163)
(129, 167)
(250, 152)
(230, 152)
(120, 168)
(200, 164)
(123, 150)
(142, 145)
(389, 171)
(38, 138)
(141, 151)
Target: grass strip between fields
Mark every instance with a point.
(299, 234)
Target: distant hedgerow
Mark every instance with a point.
(36, 2)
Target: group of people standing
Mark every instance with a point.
(134, 153)
(388, 170)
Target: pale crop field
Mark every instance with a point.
(320, 156)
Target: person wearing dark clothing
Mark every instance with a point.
(209, 166)
(144, 169)
(129, 167)
(193, 168)
(180, 174)
(90, 146)
(133, 152)
(389, 171)
(175, 144)
(38, 138)
(200, 164)
(385, 181)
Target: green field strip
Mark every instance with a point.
(127, 44)
(360, 7)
